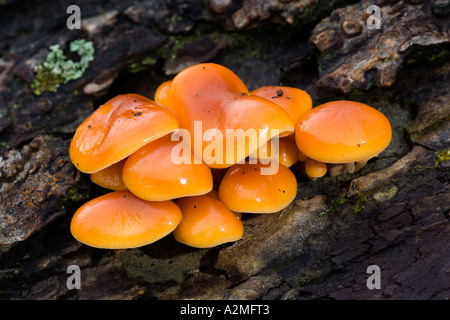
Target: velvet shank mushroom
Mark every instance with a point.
(245, 189)
(287, 153)
(155, 172)
(131, 145)
(161, 93)
(117, 129)
(315, 169)
(343, 134)
(294, 101)
(207, 222)
(213, 97)
(110, 177)
(120, 220)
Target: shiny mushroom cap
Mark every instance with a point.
(120, 220)
(156, 172)
(110, 177)
(286, 155)
(343, 131)
(214, 97)
(245, 189)
(117, 129)
(207, 222)
(161, 93)
(294, 101)
(315, 169)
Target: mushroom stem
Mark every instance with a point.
(335, 169)
(315, 169)
(360, 164)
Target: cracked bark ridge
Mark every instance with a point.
(353, 56)
(33, 184)
(106, 280)
(171, 17)
(431, 126)
(249, 14)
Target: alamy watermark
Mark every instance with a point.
(234, 142)
(374, 281)
(374, 21)
(74, 20)
(74, 280)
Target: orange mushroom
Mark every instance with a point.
(315, 169)
(110, 177)
(343, 132)
(161, 93)
(117, 129)
(301, 156)
(225, 123)
(245, 188)
(294, 101)
(156, 172)
(120, 220)
(287, 153)
(207, 222)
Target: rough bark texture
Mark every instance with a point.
(394, 213)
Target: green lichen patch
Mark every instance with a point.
(442, 156)
(58, 69)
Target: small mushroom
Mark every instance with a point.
(207, 222)
(120, 220)
(161, 93)
(343, 132)
(110, 177)
(155, 172)
(245, 188)
(315, 169)
(117, 129)
(294, 101)
(212, 96)
(286, 155)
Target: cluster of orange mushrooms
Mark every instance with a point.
(127, 145)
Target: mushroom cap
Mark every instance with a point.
(151, 173)
(120, 220)
(110, 177)
(216, 97)
(315, 169)
(207, 222)
(161, 93)
(287, 153)
(245, 189)
(117, 129)
(301, 156)
(296, 102)
(343, 131)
